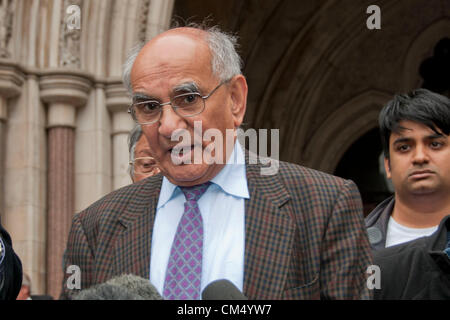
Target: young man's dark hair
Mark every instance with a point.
(422, 106)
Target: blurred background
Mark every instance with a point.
(315, 72)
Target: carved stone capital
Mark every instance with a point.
(117, 98)
(63, 91)
(11, 80)
(65, 88)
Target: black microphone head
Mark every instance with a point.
(222, 290)
(124, 287)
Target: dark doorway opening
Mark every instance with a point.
(363, 164)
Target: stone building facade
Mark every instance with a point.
(315, 71)
(63, 116)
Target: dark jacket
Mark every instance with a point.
(377, 223)
(10, 268)
(418, 269)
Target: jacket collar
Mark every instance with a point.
(377, 223)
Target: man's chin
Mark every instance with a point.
(423, 188)
(187, 174)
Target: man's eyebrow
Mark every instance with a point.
(401, 140)
(142, 96)
(186, 87)
(407, 139)
(435, 136)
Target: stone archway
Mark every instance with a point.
(342, 128)
(421, 48)
(63, 120)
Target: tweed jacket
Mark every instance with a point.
(304, 236)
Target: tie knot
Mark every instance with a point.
(195, 192)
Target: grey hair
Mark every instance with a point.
(133, 138)
(225, 61)
(128, 65)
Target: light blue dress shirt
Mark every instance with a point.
(223, 211)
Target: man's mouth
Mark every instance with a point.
(421, 174)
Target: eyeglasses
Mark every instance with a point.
(185, 105)
(144, 165)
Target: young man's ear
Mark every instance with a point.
(387, 167)
(239, 90)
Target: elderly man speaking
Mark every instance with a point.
(293, 234)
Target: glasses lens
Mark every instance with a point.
(144, 165)
(147, 111)
(188, 104)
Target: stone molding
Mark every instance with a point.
(6, 21)
(11, 80)
(62, 86)
(118, 102)
(65, 87)
(70, 40)
(64, 91)
(117, 98)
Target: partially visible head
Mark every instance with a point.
(142, 164)
(184, 61)
(25, 290)
(421, 106)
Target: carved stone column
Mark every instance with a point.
(6, 21)
(63, 92)
(118, 103)
(11, 80)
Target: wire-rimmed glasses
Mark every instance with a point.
(185, 105)
(144, 165)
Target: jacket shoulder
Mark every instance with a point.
(112, 205)
(298, 176)
(315, 190)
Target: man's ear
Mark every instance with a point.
(387, 167)
(238, 90)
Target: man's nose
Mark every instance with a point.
(420, 155)
(170, 121)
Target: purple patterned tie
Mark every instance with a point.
(184, 270)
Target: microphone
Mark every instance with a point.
(222, 290)
(124, 287)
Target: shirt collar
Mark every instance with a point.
(231, 179)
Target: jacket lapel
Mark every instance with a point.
(269, 234)
(133, 243)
